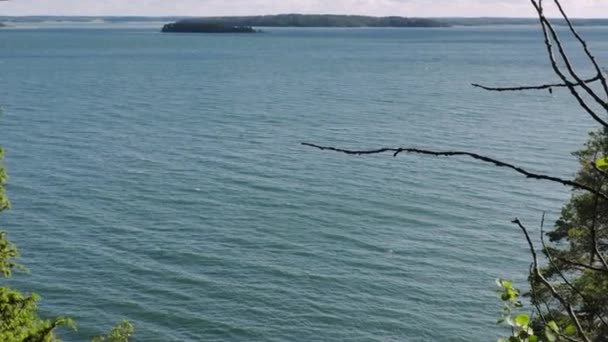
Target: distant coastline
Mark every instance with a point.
(302, 20)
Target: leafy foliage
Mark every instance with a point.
(119, 333)
(577, 259)
(576, 266)
(519, 322)
(523, 327)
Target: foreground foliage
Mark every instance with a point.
(119, 333)
(576, 265)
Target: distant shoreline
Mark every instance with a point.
(299, 20)
(283, 20)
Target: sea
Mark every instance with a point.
(160, 178)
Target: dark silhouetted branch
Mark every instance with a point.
(537, 87)
(397, 151)
(581, 265)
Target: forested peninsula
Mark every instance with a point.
(296, 20)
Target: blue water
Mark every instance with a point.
(160, 178)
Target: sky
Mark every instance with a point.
(410, 8)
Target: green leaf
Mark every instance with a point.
(553, 326)
(522, 319)
(570, 330)
(602, 164)
(550, 335)
(533, 338)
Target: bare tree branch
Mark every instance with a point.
(581, 265)
(546, 26)
(535, 297)
(554, 292)
(536, 87)
(397, 151)
(562, 52)
(583, 43)
(538, 309)
(598, 170)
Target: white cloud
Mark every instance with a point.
(425, 8)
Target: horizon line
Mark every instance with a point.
(276, 14)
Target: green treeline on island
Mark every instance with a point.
(213, 24)
(193, 26)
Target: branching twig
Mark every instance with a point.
(554, 292)
(528, 174)
(546, 26)
(583, 43)
(562, 52)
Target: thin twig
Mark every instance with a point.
(581, 265)
(537, 87)
(535, 297)
(397, 151)
(553, 290)
(598, 170)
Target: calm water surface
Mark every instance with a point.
(159, 178)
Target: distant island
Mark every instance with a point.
(199, 27)
(245, 24)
